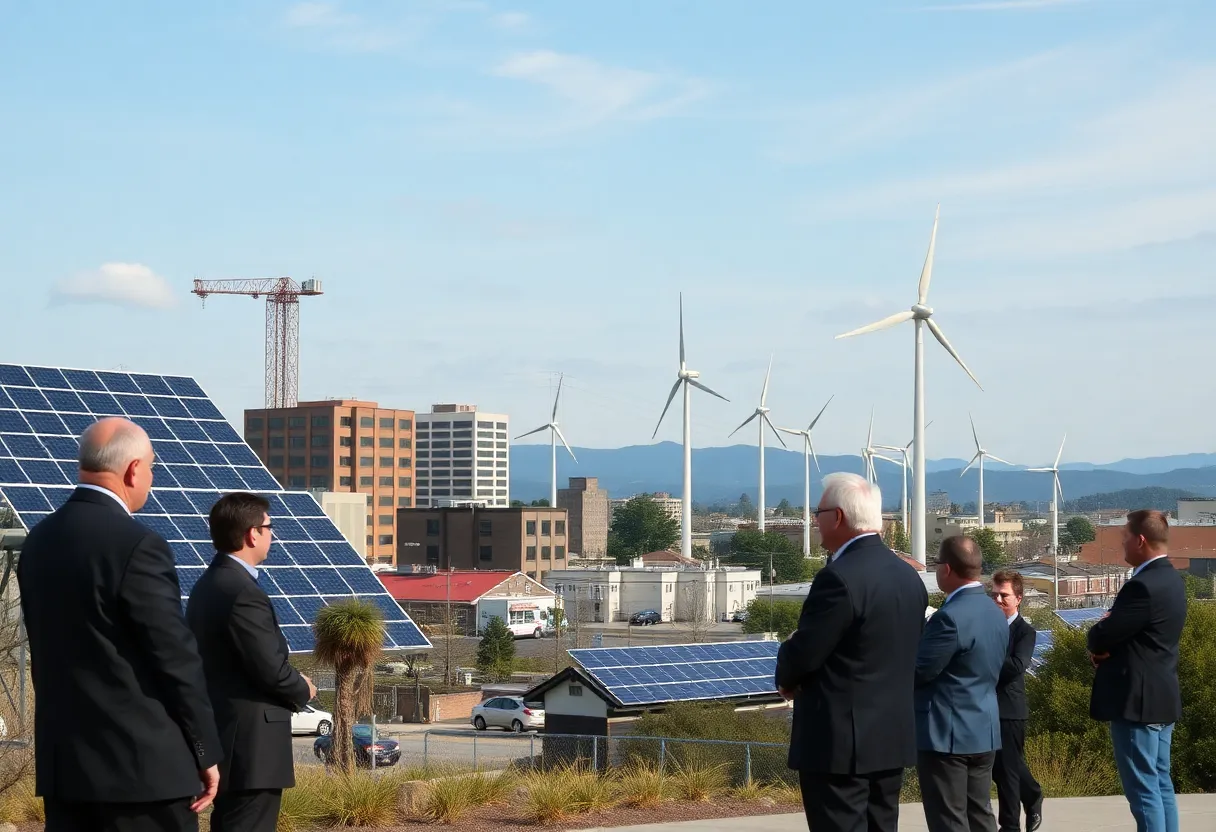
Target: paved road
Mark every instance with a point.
(446, 745)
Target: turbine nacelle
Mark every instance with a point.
(921, 312)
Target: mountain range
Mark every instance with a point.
(722, 474)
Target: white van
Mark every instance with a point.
(525, 618)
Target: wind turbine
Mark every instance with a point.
(761, 413)
(867, 453)
(1057, 494)
(808, 453)
(922, 316)
(555, 433)
(904, 465)
(688, 379)
(980, 454)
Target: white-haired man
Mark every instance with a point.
(124, 734)
(850, 668)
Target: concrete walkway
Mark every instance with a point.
(1197, 813)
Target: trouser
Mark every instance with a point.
(1016, 788)
(955, 791)
(163, 816)
(249, 811)
(851, 803)
(1142, 755)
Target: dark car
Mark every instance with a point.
(645, 617)
(388, 752)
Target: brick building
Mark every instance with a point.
(1192, 548)
(588, 514)
(528, 539)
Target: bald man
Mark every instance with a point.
(124, 735)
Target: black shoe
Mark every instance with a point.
(1034, 818)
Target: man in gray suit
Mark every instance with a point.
(958, 726)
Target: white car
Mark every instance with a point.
(309, 720)
(509, 713)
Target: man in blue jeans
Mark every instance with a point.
(1135, 651)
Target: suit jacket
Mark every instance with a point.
(252, 685)
(121, 713)
(1011, 686)
(957, 668)
(851, 662)
(1139, 682)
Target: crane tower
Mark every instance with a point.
(282, 328)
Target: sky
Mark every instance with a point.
(496, 193)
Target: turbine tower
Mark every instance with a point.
(922, 316)
(555, 433)
(761, 413)
(808, 453)
(1057, 494)
(980, 455)
(687, 379)
(904, 465)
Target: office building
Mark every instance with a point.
(462, 454)
(586, 505)
(677, 593)
(673, 507)
(342, 445)
(524, 539)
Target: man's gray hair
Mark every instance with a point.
(858, 500)
(127, 443)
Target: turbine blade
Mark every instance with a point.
(675, 389)
(815, 421)
(926, 273)
(701, 386)
(969, 464)
(529, 433)
(1040, 470)
(941, 338)
(1061, 453)
(885, 323)
(974, 435)
(769, 372)
(884, 459)
(745, 424)
(811, 445)
(791, 431)
(558, 397)
(1059, 491)
(776, 433)
(558, 431)
(998, 459)
(681, 330)
(870, 433)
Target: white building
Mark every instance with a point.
(673, 507)
(677, 594)
(1195, 510)
(461, 453)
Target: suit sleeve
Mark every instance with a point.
(150, 598)
(826, 615)
(1128, 616)
(938, 644)
(255, 640)
(1019, 657)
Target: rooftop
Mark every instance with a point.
(466, 586)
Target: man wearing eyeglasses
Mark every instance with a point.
(253, 687)
(1016, 787)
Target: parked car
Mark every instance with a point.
(309, 720)
(510, 713)
(740, 616)
(387, 751)
(645, 617)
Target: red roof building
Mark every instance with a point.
(426, 596)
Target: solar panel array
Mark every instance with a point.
(1042, 643)
(1081, 618)
(682, 672)
(199, 456)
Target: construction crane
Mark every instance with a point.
(282, 328)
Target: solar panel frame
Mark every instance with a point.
(635, 676)
(200, 456)
(1079, 618)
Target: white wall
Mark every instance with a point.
(348, 510)
(1197, 511)
(559, 701)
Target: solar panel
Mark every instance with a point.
(199, 456)
(1042, 643)
(682, 672)
(1081, 618)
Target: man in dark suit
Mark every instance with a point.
(849, 667)
(1136, 690)
(124, 735)
(1016, 787)
(957, 720)
(252, 684)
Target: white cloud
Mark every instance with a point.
(317, 15)
(511, 20)
(339, 29)
(122, 284)
(1003, 5)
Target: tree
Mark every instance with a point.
(993, 551)
(700, 552)
(751, 548)
(1080, 530)
(770, 616)
(955, 509)
(638, 527)
(897, 537)
(349, 636)
(496, 652)
(745, 508)
(541, 503)
(696, 610)
(784, 509)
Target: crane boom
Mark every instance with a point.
(282, 328)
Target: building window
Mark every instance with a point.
(463, 443)
(318, 481)
(369, 520)
(559, 552)
(253, 438)
(365, 482)
(320, 440)
(297, 442)
(462, 454)
(440, 425)
(344, 461)
(386, 423)
(344, 482)
(432, 528)
(486, 528)
(385, 520)
(545, 553)
(386, 462)
(253, 423)
(367, 422)
(404, 462)
(386, 540)
(386, 441)
(530, 528)
(531, 553)
(344, 421)
(386, 499)
(486, 552)
(489, 425)
(296, 422)
(501, 456)
(276, 461)
(277, 442)
(404, 482)
(386, 482)
(275, 423)
(544, 527)
(559, 526)
(367, 442)
(432, 555)
(295, 482)
(370, 540)
(404, 424)
(295, 462)
(344, 441)
(365, 462)
(320, 421)
(576, 690)
(319, 461)
(404, 502)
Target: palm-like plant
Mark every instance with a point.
(349, 637)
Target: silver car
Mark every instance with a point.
(509, 713)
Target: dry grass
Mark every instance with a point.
(448, 799)
(339, 800)
(19, 805)
(700, 783)
(643, 785)
(781, 793)
(561, 792)
(1065, 769)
